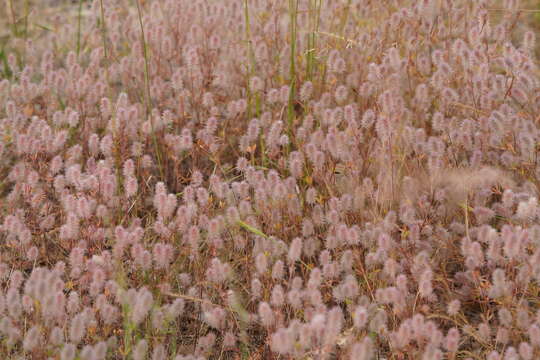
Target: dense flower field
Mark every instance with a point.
(269, 179)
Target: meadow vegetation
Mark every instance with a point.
(269, 179)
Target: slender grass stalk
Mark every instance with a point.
(79, 20)
(251, 65)
(465, 207)
(109, 88)
(128, 331)
(344, 18)
(26, 13)
(293, 13)
(104, 39)
(13, 17)
(251, 70)
(103, 30)
(128, 325)
(314, 19)
(147, 98)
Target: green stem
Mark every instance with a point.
(26, 13)
(79, 28)
(13, 18)
(105, 52)
(345, 18)
(251, 55)
(315, 14)
(293, 12)
(147, 86)
(103, 32)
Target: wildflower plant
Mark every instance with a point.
(267, 179)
